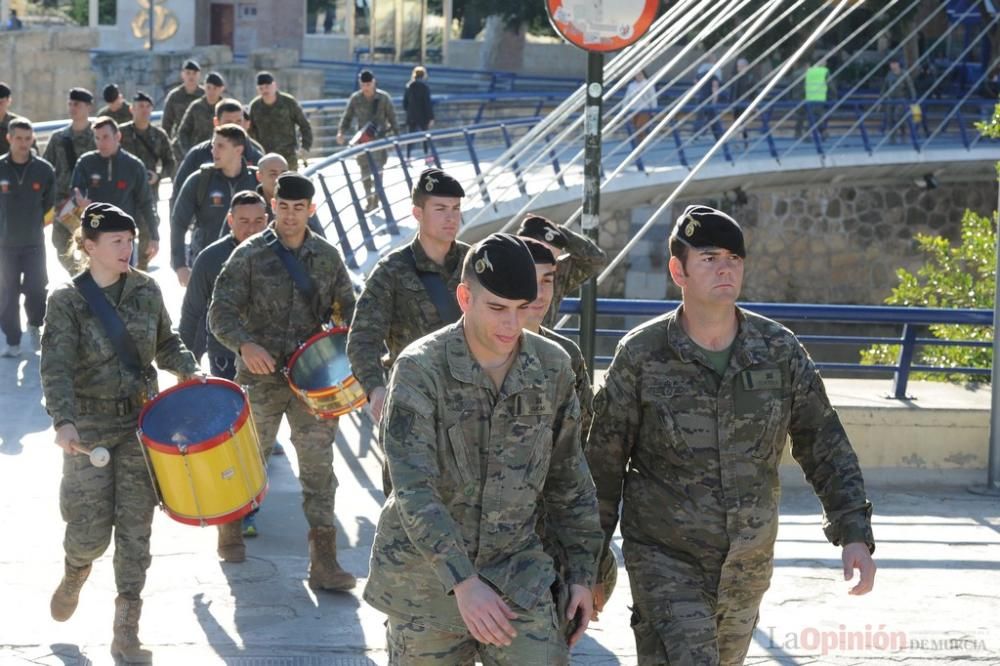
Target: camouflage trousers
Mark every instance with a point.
(118, 499)
(686, 615)
(270, 400)
(377, 156)
(539, 642)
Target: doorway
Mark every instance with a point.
(223, 25)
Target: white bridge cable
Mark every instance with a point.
(705, 32)
(737, 124)
(537, 139)
(956, 107)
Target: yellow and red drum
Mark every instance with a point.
(320, 375)
(204, 455)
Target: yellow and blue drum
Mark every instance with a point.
(204, 455)
(320, 375)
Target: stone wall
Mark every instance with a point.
(41, 65)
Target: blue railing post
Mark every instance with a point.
(434, 151)
(902, 375)
(765, 127)
(390, 221)
(861, 128)
(555, 162)
(406, 167)
(514, 163)
(366, 232)
(475, 165)
(961, 128)
(345, 244)
(680, 148)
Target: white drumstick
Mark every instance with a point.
(99, 456)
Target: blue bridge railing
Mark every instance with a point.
(912, 321)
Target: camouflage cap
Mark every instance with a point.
(100, 216)
(438, 183)
(704, 226)
(542, 229)
(503, 265)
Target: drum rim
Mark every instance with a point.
(336, 330)
(203, 445)
(219, 520)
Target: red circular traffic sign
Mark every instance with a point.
(601, 25)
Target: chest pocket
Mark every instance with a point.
(664, 402)
(415, 299)
(760, 417)
(530, 453)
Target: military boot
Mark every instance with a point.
(67, 595)
(231, 547)
(325, 573)
(126, 645)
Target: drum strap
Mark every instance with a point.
(294, 267)
(110, 321)
(444, 302)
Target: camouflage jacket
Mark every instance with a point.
(196, 126)
(584, 391)
(395, 309)
(121, 116)
(176, 103)
(152, 146)
(360, 111)
(78, 360)
(55, 154)
(582, 261)
(694, 456)
(256, 301)
(274, 125)
(120, 180)
(471, 468)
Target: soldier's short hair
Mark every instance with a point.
(106, 121)
(246, 198)
(19, 124)
(233, 132)
(227, 105)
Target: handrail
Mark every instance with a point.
(910, 318)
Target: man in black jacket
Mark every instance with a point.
(417, 105)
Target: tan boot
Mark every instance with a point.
(325, 573)
(67, 595)
(126, 645)
(231, 547)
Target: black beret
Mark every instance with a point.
(294, 186)
(142, 97)
(107, 217)
(192, 65)
(503, 265)
(539, 252)
(264, 78)
(366, 76)
(704, 226)
(540, 228)
(4, 90)
(215, 79)
(81, 95)
(111, 93)
(438, 183)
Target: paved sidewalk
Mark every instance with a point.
(936, 600)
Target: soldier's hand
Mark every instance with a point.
(376, 400)
(484, 612)
(80, 200)
(858, 556)
(598, 594)
(152, 177)
(340, 138)
(67, 438)
(153, 248)
(257, 359)
(581, 606)
(183, 275)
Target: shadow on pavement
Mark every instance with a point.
(21, 394)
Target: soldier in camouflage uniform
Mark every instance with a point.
(579, 259)
(64, 148)
(180, 98)
(369, 106)
(274, 116)
(688, 431)
(481, 427)
(5, 116)
(197, 123)
(259, 313)
(113, 175)
(395, 307)
(115, 105)
(94, 400)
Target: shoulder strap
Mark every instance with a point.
(146, 144)
(292, 264)
(112, 324)
(444, 302)
(70, 148)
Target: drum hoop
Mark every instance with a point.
(327, 392)
(204, 445)
(336, 330)
(218, 520)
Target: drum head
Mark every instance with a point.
(192, 414)
(322, 364)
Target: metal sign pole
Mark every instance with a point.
(590, 220)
